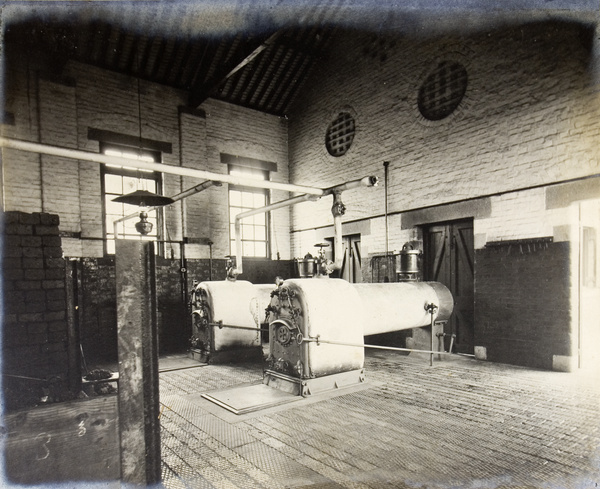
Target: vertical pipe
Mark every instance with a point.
(38, 115)
(73, 341)
(181, 185)
(388, 268)
(238, 270)
(338, 210)
(210, 260)
(432, 343)
(432, 308)
(183, 276)
(579, 282)
(385, 177)
(338, 242)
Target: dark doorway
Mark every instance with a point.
(448, 259)
(351, 265)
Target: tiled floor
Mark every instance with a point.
(460, 423)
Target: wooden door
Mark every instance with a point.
(449, 259)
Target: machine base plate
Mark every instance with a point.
(309, 387)
(249, 398)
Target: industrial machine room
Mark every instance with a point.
(300, 244)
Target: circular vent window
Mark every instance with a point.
(340, 134)
(443, 90)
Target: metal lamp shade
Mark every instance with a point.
(143, 198)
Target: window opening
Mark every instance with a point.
(340, 134)
(120, 180)
(254, 229)
(589, 257)
(443, 90)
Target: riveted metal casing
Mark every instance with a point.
(218, 305)
(306, 309)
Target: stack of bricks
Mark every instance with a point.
(35, 332)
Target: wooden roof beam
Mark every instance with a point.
(200, 94)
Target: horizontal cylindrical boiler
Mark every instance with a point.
(396, 306)
(310, 308)
(305, 311)
(218, 304)
(227, 316)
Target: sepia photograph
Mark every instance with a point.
(300, 244)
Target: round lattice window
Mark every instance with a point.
(443, 90)
(340, 134)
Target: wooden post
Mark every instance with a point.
(139, 425)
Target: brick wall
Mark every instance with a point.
(60, 110)
(172, 295)
(528, 118)
(522, 304)
(97, 310)
(528, 121)
(242, 132)
(97, 296)
(34, 329)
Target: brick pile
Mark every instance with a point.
(34, 340)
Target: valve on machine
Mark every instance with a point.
(315, 266)
(324, 266)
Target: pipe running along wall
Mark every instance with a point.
(307, 192)
(337, 210)
(159, 167)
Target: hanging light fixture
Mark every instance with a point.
(143, 198)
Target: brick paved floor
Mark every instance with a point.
(460, 423)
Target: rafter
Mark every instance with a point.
(201, 93)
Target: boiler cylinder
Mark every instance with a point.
(402, 305)
(219, 304)
(316, 326)
(309, 309)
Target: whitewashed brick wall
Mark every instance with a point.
(60, 112)
(243, 132)
(520, 215)
(530, 117)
